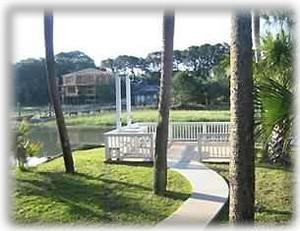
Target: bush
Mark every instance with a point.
(24, 147)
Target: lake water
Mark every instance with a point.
(78, 135)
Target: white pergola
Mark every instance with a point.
(119, 101)
(136, 141)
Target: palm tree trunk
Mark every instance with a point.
(53, 93)
(241, 168)
(256, 46)
(161, 143)
(277, 152)
(256, 34)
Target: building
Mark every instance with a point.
(146, 95)
(83, 87)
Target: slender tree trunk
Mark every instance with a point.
(53, 93)
(241, 168)
(256, 34)
(161, 143)
(256, 45)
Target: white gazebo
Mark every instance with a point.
(136, 141)
(130, 142)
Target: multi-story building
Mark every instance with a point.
(84, 86)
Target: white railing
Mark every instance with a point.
(139, 142)
(151, 126)
(188, 131)
(123, 146)
(213, 146)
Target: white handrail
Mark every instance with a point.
(213, 146)
(122, 144)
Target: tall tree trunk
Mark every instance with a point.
(53, 93)
(255, 16)
(161, 143)
(241, 168)
(256, 34)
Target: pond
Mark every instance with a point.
(79, 136)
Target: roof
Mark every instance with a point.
(87, 70)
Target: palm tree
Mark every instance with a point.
(53, 93)
(274, 97)
(161, 143)
(241, 167)
(275, 124)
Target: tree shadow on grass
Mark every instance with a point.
(223, 216)
(275, 167)
(131, 163)
(169, 194)
(277, 212)
(111, 181)
(74, 194)
(93, 199)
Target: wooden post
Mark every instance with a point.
(128, 100)
(118, 101)
(107, 153)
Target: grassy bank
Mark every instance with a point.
(274, 194)
(108, 118)
(97, 193)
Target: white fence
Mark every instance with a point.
(121, 145)
(150, 126)
(188, 131)
(213, 146)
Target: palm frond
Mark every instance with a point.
(274, 102)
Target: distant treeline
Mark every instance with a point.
(199, 74)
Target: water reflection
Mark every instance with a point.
(79, 136)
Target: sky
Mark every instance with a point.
(107, 35)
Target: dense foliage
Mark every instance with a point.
(274, 94)
(199, 62)
(30, 83)
(199, 76)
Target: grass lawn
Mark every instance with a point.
(108, 118)
(97, 193)
(274, 194)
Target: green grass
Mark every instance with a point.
(97, 193)
(274, 194)
(108, 118)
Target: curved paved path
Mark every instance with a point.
(210, 191)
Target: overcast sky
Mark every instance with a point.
(105, 35)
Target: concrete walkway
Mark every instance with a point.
(210, 191)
